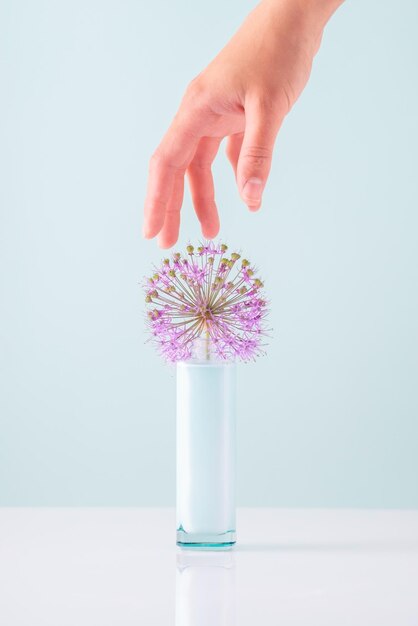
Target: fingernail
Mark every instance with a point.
(253, 190)
(254, 208)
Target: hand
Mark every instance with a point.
(243, 94)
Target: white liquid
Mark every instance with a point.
(206, 447)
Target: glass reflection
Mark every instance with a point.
(205, 588)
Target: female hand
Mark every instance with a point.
(243, 94)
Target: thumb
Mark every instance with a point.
(262, 123)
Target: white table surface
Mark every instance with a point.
(121, 566)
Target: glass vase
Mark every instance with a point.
(206, 453)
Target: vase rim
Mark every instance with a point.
(204, 363)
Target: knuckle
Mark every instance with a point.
(257, 156)
(157, 159)
(276, 104)
(161, 161)
(173, 213)
(197, 165)
(195, 87)
(205, 199)
(158, 203)
(197, 93)
(265, 102)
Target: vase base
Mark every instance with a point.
(206, 541)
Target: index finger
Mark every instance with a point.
(170, 160)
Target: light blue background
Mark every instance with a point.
(329, 417)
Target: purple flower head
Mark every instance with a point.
(210, 295)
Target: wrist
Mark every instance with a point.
(320, 10)
(302, 16)
(317, 12)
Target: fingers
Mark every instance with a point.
(169, 233)
(233, 148)
(168, 162)
(201, 185)
(262, 124)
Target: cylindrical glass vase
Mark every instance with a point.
(206, 454)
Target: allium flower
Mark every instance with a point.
(206, 295)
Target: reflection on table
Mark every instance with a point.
(205, 588)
